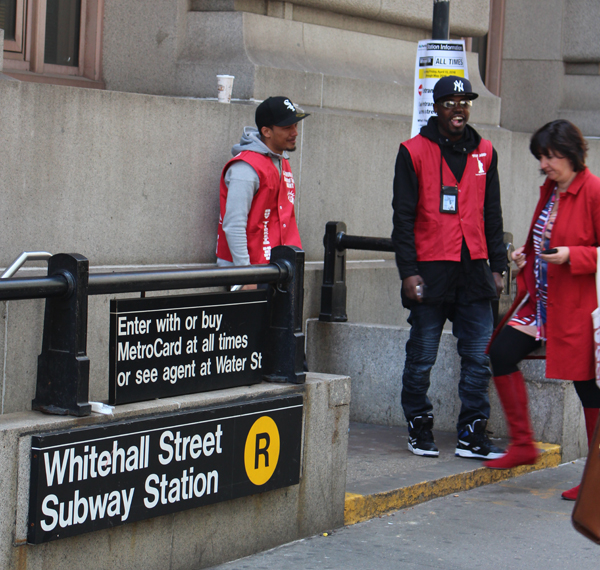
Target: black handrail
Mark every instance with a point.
(333, 290)
(110, 283)
(344, 241)
(132, 281)
(63, 365)
(33, 288)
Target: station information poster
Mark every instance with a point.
(98, 477)
(435, 59)
(169, 346)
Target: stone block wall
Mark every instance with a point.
(373, 356)
(195, 538)
(551, 64)
(131, 181)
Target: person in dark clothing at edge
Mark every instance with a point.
(447, 225)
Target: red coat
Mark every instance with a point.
(571, 286)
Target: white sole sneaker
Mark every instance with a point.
(471, 455)
(423, 452)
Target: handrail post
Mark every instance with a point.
(285, 339)
(333, 290)
(502, 305)
(63, 365)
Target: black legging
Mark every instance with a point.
(512, 345)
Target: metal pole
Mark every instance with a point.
(333, 290)
(130, 282)
(440, 29)
(63, 366)
(365, 243)
(285, 339)
(111, 283)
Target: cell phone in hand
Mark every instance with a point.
(549, 251)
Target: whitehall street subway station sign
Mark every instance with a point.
(168, 346)
(104, 476)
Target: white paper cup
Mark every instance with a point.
(224, 88)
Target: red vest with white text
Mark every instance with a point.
(271, 221)
(438, 237)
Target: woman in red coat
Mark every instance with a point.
(556, 290)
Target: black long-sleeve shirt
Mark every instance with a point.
(443, 279)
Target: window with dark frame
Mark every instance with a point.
(8, 18)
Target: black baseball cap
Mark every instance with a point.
(278, 112)
(453, 85)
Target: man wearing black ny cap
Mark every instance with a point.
(448, 239)
(257, 190)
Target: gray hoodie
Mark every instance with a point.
(242, 183)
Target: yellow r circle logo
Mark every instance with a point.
(261, 453)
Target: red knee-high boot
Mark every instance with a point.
(513, 395)
(591, 417)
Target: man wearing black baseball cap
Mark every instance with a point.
(448, 239)
(257, 190)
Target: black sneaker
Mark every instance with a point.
(420, 438)
(473, 442)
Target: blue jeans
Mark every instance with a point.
(472, 325)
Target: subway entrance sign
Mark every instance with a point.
(99, 477)
(169, 346)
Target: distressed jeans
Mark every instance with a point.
(472, 325)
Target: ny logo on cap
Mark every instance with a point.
(289, 105)
(458, 86)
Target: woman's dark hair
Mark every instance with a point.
(563, 139)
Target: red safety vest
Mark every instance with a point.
(438, 237)
(271, 221)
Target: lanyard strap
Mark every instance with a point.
(598, 276)
(441, 173)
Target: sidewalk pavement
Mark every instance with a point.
(384, 476)
(447, 512)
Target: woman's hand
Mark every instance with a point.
(519, 257)
(561, 256)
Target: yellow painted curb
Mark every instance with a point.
(360, 508)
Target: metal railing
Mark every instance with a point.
(63, 365)
(22, 259)
(333, 291)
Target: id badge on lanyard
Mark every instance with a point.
(448, 194)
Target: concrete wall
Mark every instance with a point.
(414, 13)
(580, 40)
(141, 44)
(125, 179)
(131, 180)
(373, 356)
(379, 17)
(331, 56)
(196, 538)
(551, 64)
